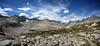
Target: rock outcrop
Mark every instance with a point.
(12, 21)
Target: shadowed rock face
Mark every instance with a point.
(10, 21)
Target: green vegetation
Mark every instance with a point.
(81, 27)
(98, 26)
(46, 33)
(74, 29)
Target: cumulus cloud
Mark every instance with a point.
(72, 17)
(47, 14)
(24, 14)
(36, 14)
(27, 3)
(51, 13)
(25, 9)
(57, 10)
(2, 12)
(8, 9)
(66, 11)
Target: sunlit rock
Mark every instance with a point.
(22, 37)
(5, 42)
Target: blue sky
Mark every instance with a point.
(59, 10)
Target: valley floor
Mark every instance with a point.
(78, 35)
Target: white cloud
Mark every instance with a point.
(66, 11)
(46, 14)
(51, 13)
(24, 14)
(25, 9)
(8, 9)
(39, 12)
(27, 3)
(57, 10)
(72, 17)
(36, 14)
(2, 12)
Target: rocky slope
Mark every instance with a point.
(89, 19)
(13, 21)
(34, 32)
(74, 36)
(30, 24)
(43, 25)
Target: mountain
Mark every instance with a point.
(1, 16)
(19, 24)
(13, 21)
(93, 18)
(43, 25)
(34, 24)
(20, 31)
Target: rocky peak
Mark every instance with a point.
(12, 21)
(92, 18)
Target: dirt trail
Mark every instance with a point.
(89, 41)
